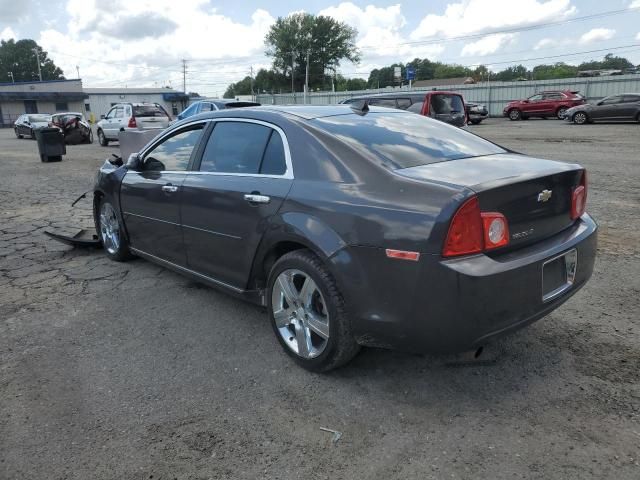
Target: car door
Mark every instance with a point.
(241, 180)
(150, 195)
(607, 108)
(106, 125)
(534, 104)
(629, 107)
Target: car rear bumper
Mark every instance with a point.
(455, 305)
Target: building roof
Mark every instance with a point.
(2, 84)
(129, 91)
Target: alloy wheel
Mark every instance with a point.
(561, 113)
(514, 114)
(580, 118)
(300, 313)
(109, 228)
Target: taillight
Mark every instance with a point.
(579, 198)
(132, 122)
(472, 231)
(465, 234)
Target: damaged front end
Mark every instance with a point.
(104, 183)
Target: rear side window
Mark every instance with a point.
(401, 140)
(273, 162)
(148, 111)
(235, 147)
(174, 152)
(383, 102)
(446, 104)
(416, 107)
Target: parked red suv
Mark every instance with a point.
(543, 104)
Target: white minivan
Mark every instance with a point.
(131, 116)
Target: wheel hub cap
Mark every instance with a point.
(109, 228)
(300, 313)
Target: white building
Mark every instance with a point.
(39, 97)
(102, 99)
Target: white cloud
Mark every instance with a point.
(488, 44)
(7, 33)
(472, 16)
(597, 35)
(379, 31)
(545, 43)
(219, 50)
(635, 4)
(638, 36)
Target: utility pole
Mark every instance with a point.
(293, 67)
(251, 73)
(184, 75)
(306, 80)
(35, 50)
(13, 80)
(78, 70)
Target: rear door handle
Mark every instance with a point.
(169, 188)
(256, 198)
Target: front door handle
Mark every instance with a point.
(169, 188)
(256, 198)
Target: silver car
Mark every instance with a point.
(131, 116)
(623, 107)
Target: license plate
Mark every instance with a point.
(558, 274)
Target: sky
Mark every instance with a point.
(136, 43)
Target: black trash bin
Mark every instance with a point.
(50, 144)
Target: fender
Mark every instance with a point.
(298, 228)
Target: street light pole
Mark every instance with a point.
(38, 60)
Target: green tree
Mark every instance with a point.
(324, 40)
(557, 70)
(20, 59)
(515, 72)
(610, 61)
(243, 87)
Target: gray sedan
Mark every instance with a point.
(354, 226)
(623, 107)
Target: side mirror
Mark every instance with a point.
(133, 162)
(101, 117)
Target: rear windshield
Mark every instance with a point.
(238, 104)
(403, 140)
(445, 104)
(148, 111)
(38, 118)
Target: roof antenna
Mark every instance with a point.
(361, 107)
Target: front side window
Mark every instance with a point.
(235, 147)
(173, 153)
(119, 113)
(110, 113)
(612, 100)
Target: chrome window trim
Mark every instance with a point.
(288, 174)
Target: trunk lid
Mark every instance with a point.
(533, 194)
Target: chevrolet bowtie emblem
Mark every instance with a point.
(544, 195)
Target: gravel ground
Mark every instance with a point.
(129, 371)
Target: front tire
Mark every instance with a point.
(102, 139)
(580, 118)
(308, 313)
(111, 231)
(515, 114)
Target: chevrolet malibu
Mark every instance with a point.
(370, 227)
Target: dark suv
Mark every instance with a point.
(444, 106)
(552, 103)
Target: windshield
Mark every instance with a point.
(148, 111)
(38, 118)
(404, 140)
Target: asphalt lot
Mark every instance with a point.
(129, 371)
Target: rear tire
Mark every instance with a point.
(312, 324)
(561, 112)
(515, 114)
(102, 139)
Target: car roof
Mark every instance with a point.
(306, 112)
(421, 94)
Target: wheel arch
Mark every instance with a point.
(294, 231)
